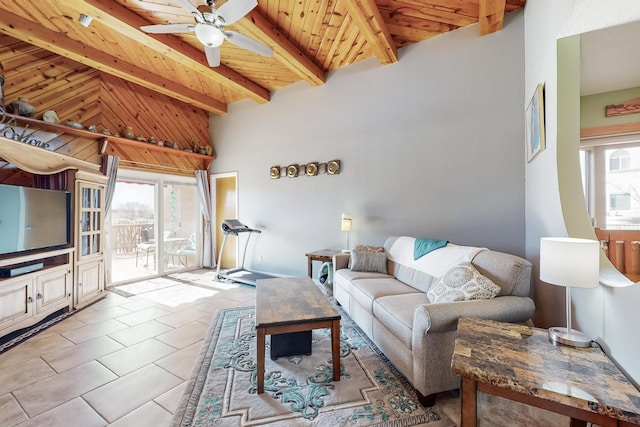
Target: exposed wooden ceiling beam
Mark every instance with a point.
(37, 35)
(367, 17)
(128, 23)
(491, 17)
(257, 26)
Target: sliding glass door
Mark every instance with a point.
(154, 226)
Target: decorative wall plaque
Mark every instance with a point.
(310, 169)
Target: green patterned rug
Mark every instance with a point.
(299, 390)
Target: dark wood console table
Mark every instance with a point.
(519, 363)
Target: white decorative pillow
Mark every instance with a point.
(462, 283)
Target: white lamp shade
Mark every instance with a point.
(209, 35)
(570, 262)
(346, 222)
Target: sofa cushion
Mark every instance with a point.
(369, 261)
(352, 275)
(395, 312)
(462, 282)
(364, 291)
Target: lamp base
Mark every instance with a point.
(573, 338)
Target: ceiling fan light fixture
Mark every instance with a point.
(209, 35)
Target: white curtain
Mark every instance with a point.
(209, 248)
(110, 169)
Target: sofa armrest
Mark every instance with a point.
(444, 317)
(341, 261)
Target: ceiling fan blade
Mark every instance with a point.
(186, 5)
(168, 28)
(213, 55)
(233, 10)
(247, 43)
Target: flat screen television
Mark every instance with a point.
(33, 218)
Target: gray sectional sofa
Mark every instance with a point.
(395, 310)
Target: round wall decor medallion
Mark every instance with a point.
(312, 169)
(333, 167)
(292, 171)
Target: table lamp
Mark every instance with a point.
(346, 226)
(572, 263)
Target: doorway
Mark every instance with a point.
(154, 226)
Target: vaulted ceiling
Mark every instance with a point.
(309, 38)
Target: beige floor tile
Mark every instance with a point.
(182, 317)
(137, 303)
(95, 316)
(180, 296)
(79, 354)
(66, 325)
(181, 362)
(171, 399)
(32, 349)
(149, 414)
(135, 357)
(89, 332)
(110, 300)
(142, 316)
(29, 372)
(211, 306)
(53, 391)
(185, 335)
(76, 412)
(128, 393)
(142, 332)
(10, 411)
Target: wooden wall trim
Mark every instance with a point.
(610, 130)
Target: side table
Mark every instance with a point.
(323, 255)
(519, 363)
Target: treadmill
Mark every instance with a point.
(240, 274)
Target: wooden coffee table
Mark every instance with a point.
(293, 304)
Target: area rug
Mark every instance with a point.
(299, 390)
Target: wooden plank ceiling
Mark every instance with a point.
(308, 37)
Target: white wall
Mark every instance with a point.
(552, 179)
(431, 146)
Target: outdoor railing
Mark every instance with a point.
(125, 237)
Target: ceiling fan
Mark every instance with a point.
(209, 27)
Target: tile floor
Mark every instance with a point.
(122, 361)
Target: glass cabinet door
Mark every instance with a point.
(90, 219)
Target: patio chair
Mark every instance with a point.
(146, 245)
(186, 250)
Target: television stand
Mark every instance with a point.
(41, 284)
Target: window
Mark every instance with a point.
(619, 160)
(620, 202)
(611, 181)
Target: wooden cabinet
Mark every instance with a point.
(89, 239)
(53, 289)
(29, 298)
(15, 302)
(71, 277)
(90, 283)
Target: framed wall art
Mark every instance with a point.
(534, 123)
